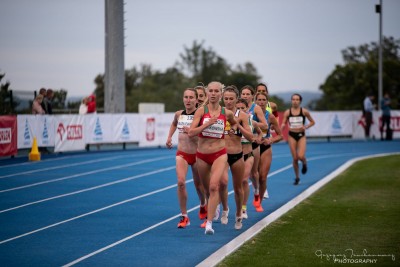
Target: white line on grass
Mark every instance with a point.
(90, 188)
(233, 245)
(85, 173)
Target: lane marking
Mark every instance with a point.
(70, 157)
(60, 166)
(92, 212)
(85, 173)
(89, 189)
(233, 245)
(165, 221)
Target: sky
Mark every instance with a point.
(293, 44)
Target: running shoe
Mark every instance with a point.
(266, 195)
(256, 201)
(184, 222)
(304, 169)
(238, 223)
(224, 216)
(209, 230)
(203, 225)
(203, 212)
(259, 209)
(296, 181)
(244, 214)
(217, 212)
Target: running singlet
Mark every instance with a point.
(185, 120)
(217, 129)
(296, 121)
(244, 140)
(265, 133)
(228, 126)
(268, 107)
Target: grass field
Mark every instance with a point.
(353, 220)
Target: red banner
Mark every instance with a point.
(8, 135)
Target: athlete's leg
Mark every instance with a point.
(181, 171)
(265, 166)
(237, 170)
(217, 170)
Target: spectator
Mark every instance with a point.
(368, 109)
(385, 106)
(37, 105)
(42, 92)
(91, 104)
(83, 108)
(47, 100)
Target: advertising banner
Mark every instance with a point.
(26, 125)
(69, 134)
(8, 135)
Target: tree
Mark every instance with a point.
(196, 64)
(7, 102)
(346, 87)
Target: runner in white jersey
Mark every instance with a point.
(186, 155)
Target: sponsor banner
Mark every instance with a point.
(8, 135)
(26, 130)
(44, 130)
(155, 129)
(126, 128)
(69, 135)
(163, 127)
(375, 133)
(99, 128)
(338, 123)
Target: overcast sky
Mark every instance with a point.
(293, 44)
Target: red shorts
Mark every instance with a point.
(190, 158)
(210, 158)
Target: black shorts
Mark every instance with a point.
(264, 148)
(297, 136)
(254, 145)
(232, 158)
(248, 155)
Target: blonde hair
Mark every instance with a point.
(39, 97)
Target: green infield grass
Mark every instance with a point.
(354, 220)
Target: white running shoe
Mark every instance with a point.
(238, 223)
(244, 214)
(224, 216)
(209, 230)
(217, 212)
(266, 195)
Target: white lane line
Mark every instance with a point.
(61, 166)
(90, 188)
(85, 173)
(92, 212)
(165, 221)
(233, 245)
(74, 157)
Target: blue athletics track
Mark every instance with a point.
(120, 208)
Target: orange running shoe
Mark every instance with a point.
(203, 212)
(203, 225)
(256, 201)
(259, 209)
(184, 222)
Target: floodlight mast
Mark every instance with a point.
(114, 77)
(378, 9)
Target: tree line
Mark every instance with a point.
(343, 89)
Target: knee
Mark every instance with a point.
(181, 185)
(214, 188)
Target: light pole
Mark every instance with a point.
(378, 9)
